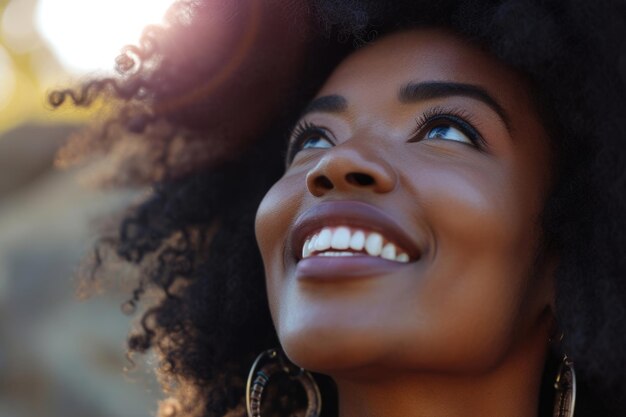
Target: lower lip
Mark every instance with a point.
(336, 268)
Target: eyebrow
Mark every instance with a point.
(327, 104)
(417, 91)
(412, 92)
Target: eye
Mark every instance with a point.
(308, 136)
(447, 124)
(315, 142)
(448, 132)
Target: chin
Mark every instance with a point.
(330, 350)
(342, 350)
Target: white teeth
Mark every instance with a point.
(341, 238)
(323, 240)
(374, 244)
(389, 252)
(336, 254)
(357, 241)
(335, 241)
(403, 257)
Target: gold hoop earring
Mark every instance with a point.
(565, 385)
(269, 363)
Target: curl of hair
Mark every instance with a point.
(213, 317)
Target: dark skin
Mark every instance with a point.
(431, 143)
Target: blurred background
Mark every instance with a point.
(60, 356)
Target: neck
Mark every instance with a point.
(510, 389)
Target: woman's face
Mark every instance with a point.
(404, 232)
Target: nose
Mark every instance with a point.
(347, 169)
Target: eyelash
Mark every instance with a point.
(457, 117)
(301, 132)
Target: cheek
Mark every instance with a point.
(474, 213)
(484, 243)
(276, 212)
(475, 205)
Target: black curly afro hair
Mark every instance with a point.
(194, 237)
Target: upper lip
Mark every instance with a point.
(349, 213)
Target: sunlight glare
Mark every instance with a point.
(87, 35)
(18, 32)
(7, 78)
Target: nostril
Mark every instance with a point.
(323, 182)
(356, 178)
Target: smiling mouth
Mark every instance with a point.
(339, 239)
(344, 240)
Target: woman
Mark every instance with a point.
(445, 235)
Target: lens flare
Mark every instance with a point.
(86, 35)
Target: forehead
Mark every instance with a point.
(425, 55)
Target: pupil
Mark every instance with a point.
(312, 142)
(438, 132)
